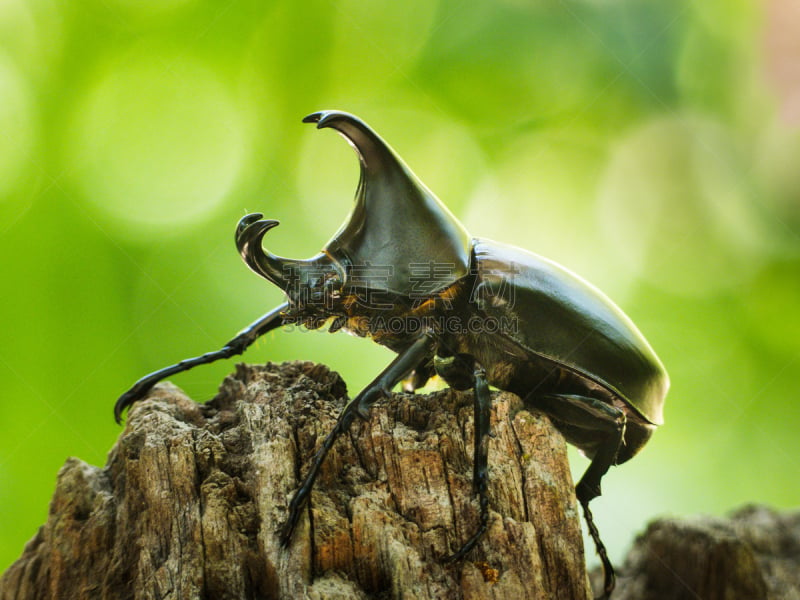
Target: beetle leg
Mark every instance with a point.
(399, 368)
(590, 415)
(480, 461)
(272, 320)
(609, 576)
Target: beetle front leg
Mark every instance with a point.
(593, 416)
(480, 461)
(399, 368)
(272, 320)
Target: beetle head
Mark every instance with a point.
(398, 235)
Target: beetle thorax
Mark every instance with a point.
(389, 319)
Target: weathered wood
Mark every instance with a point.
(753, 555)
(192, 495)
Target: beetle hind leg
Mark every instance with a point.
(609, 577)
(588, 423)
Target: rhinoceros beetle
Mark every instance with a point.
(404, 271)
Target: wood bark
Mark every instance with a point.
(190, 500)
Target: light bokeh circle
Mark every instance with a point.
(677, 205)
(157, 142)
(541, 197)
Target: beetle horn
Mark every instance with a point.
(283, 272)
(397, 221)
(371, 149)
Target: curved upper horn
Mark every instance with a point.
(396, 222)
(372, 151)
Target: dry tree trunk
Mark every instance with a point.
(192, 495)
(752, 555)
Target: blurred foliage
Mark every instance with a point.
(647, 145)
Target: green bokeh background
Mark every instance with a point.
(647, 145)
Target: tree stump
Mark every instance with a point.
(753, 555)
(192, 495)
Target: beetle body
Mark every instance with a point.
(403, 271)
(572, 339)
(533, 324)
